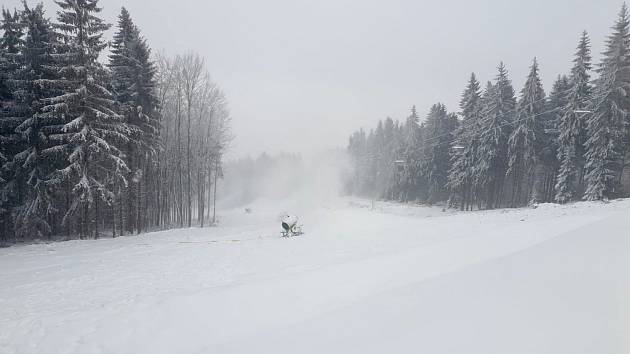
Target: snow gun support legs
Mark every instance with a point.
(296, 230)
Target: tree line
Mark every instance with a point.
(88, 148)
(500, 151)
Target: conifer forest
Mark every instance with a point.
(102, 136)
(501, 148)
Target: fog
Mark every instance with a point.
(284, 180)
(315, 176)
(301, 75)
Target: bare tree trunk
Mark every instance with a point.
(147, 210)
(214, 202)
(138, 201)
(210, 184)
(96, 218)
(200, 196)
(621, 169)
(189, 193)
(114, 219)
(179, 168)
(122, 213)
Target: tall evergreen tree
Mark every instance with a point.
(479, 175)
(389, 154)
(133, 82)
(357, 149)
(525, 141)
(94, 129)
(572, 125)
(371, 153)
(461, 174)
(133, 79)
(123, 70)
(409, 166)
(608, 122)
(11, 43)
(492, 155)
(35, 162)
(548, 159)
(440, 129)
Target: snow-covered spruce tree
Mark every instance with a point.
(460, 176)
(357, 153)
(95, 163)
(496, 117)
(479, 176)
(122, 65)
(411, 179)
(606, 126)
(389, 151)
(41, 152)
(548, 160)
(370, 164)
(11, 43)
(378, 154)
(572, 126)
(147, 111)
(397, 161)
(134, 86)
(525, 141)
(440, 129)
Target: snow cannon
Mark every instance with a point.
(290, 225)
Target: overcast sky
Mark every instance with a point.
(302, 75)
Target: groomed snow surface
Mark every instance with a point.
(393, 279)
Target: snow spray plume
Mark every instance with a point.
(290, 180)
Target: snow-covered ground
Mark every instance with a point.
(393, 279)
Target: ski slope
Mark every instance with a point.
(393, 279)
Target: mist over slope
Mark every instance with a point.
(299, 180)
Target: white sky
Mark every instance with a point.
(301, 75)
